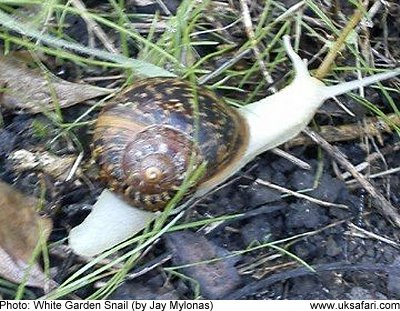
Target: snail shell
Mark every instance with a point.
(149, 137)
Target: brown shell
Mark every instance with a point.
(145, 138)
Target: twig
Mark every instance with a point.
(373, 127)
(380, 174)
(250, 34)
(214, 30)
(262, 285)
(75, 166)
(91, 24)
(300, 163)
(385, 150)
(239, 55)
(365, 233)
(326, 64)
(149, 266)
(164, 7)
(387, 209)
(299, 195)
(290, 11)
(359, 167)
(344, 108)
(223, 67)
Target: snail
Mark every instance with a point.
(147, 139)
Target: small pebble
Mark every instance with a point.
(217, 278)
(332, 247)
(259, 195)
(257, 229)
(328, 189)
(301, 180)
(305, 215)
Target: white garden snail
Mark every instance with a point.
(145, 138)
(156, 133)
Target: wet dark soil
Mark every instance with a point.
(269, 250)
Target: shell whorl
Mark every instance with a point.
(144, 139)
(155, 165)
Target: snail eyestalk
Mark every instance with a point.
(299, 65)
(242, 135)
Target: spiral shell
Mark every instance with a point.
(146, 139)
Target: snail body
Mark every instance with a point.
(153, 124)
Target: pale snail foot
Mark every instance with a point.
(102, 229)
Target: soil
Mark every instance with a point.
(352, 246)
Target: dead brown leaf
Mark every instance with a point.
(21, 229)
(33, 90)
(58, 167)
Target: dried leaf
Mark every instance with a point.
(33, 90)
(55, 166)
(21, 229)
